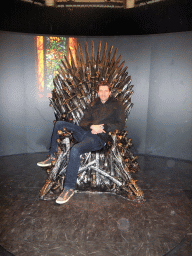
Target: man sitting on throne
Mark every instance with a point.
(105, 114)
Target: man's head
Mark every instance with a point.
(104, 91)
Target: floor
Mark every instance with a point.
(96, 224)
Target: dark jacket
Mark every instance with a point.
(111, 114)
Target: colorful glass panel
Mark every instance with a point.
(50, 51)
(56, 48)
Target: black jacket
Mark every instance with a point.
(111, 114)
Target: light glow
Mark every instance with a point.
(40, 64)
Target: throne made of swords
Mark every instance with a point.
(75, 86)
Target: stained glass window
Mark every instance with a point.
(56, 48)
(50, 51)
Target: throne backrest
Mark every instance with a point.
(76, 84)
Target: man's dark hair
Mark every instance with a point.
(104, 83)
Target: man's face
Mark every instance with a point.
(104, 93)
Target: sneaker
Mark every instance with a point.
(65, 196)
(47, 162)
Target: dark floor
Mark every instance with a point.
(96, 224)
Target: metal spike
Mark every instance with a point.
(108, 57)
(104, 72)
(77, 58)
(72, 61)
(65, 66)
(117, 61)
(104, 55)
(82, 69)
(81, 56)
(98, 55)
(113, 58)
(67, 62)
(87, 54)
(121, 66)
(92, 54)
(93, 70)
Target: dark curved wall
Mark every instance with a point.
(161, 17)
(160, 122)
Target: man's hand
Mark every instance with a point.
(97, 128)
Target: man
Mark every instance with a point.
(105, 114)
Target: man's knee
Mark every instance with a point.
(59, 125)
(75, 150)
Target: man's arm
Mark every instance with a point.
(87, 119)
(118, 122)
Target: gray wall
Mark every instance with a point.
(169, 120)
(26, 120)
(160, 122)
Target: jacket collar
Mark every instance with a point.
(107, 102)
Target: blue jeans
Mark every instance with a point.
(86, 142)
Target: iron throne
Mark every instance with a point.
(75, 86)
